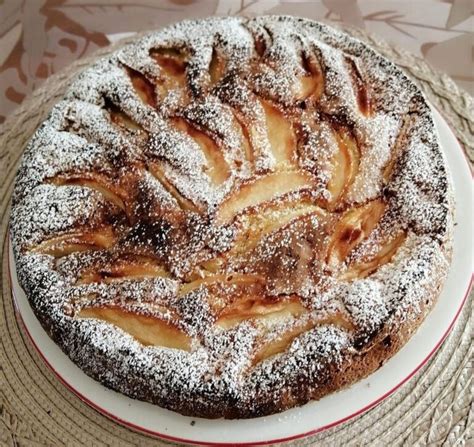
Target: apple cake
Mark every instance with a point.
(231, 217)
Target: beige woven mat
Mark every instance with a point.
(433, 408)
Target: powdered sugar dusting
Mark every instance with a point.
(154, 193)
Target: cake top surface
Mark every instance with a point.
(228, 205)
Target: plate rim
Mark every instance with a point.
(320, 429)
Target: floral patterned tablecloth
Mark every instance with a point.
(39, 37)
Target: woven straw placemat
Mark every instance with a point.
(433, 408)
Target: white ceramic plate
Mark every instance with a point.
(315, 416)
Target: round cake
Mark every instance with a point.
(231, 217)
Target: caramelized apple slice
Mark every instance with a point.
(111, 192)
(283, 342)
(388, 170)
(160, 175)
(123, 120)
(233, 279)
(124, 269)
(280, 134)
(197, 273)
(397, 148)
(260, 41)
(259, 308)
(361, 90)
(246, 128)
(148, 330)
(255, 226)
(142, 86)
(171, 60)
(173, 66)
(206, 268)
(217, 167)
(254, 135)
(216, 67)
(384, 255)
(69, 243)
(250, 124)
(210, 266)
(260, 190)
(354, 226)
(312, 82)
(345, 164)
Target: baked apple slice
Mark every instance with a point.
(234, 280)
(248, 131)
(280, 134)
(361, 88)
(123, 120)
(283, 341)
(216, 67)
(345, 165)
(143, 87)
(397, 148)
(355, 225)
(217, 167)
(211, 266)
(311, 84)
(172, 62)
(112, 192)
(262, 189)
(362, 269)
(159, 173)
(124, 269)
(148, 330)
(250, 307)
(254, 226)
(58, 246)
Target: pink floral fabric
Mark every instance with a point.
(39, 37)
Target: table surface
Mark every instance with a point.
(39, 37)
